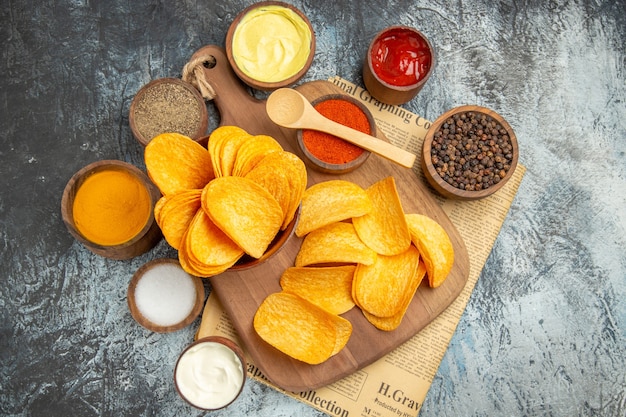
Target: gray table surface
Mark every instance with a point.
(544, 331)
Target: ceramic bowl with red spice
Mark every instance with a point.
(399, 61)
(327, 153)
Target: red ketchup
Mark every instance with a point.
(400, 57)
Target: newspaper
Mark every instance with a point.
(397, 384)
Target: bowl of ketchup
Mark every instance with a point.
(399, 61)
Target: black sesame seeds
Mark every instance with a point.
(471, 151)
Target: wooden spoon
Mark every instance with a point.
(288, 108)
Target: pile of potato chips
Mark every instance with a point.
(223, 202)
(359, 248)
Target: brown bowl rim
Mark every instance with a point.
(230, 345)
(438, 183)
(327, 167)
(261, 85)
(142, 320)
(130, 248)
(403, 88)
(204, 121)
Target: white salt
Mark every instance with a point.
(165, 294)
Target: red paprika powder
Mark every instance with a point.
(330, 148)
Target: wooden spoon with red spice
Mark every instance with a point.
(288, 108)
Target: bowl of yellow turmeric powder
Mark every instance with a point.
(108, 206)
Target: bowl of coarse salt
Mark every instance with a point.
(163, 298)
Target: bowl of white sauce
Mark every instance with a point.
(210, 373)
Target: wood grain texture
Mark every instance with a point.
(242, 291)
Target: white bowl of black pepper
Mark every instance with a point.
(469, 153)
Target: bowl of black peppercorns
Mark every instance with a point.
(469, 153)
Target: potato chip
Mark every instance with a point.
(245, 211)
(328, 287)
(334, 243)
(192, 266)
(284, 175)
(329, 202)
(176, 214)
(434, 244)
(252, 151)
(343, 329)
(391, 323)
(384, 228)
(300, 329)
(229, 150)
(380, 288)
(221, 146)
(209, 245)
(158, 206)
(175, 163)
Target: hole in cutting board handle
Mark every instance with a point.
(211, 62)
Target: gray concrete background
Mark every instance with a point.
(544, 331)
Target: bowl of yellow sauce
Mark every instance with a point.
(108, 206)
(270, 45)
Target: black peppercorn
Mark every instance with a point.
(471, 151)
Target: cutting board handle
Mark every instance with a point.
(233, 100)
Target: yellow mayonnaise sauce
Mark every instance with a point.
(271, 43)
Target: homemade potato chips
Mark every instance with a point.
(301, 329)
(215, 207)
(359, 248)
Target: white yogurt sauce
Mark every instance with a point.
(209, 375)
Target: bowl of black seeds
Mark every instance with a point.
(469, 153)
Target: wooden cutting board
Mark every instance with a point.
(241, 291)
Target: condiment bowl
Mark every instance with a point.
(381, 87)
(141, 242)
(295, 23)
(163, 298)
(167, 105)
(321, 165)
(478, 154)
(215, 363)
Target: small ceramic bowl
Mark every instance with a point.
(282, 13)
(163, 298)
(167, 105)
(380, 86)
(443, 159)
(333, 168)
(140, 243)
(201, 363)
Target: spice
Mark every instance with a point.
(271, 43)
(111, 207)
(329, 148)
(165, 294)
(471, 151)
(401, 57)
(165, 107)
